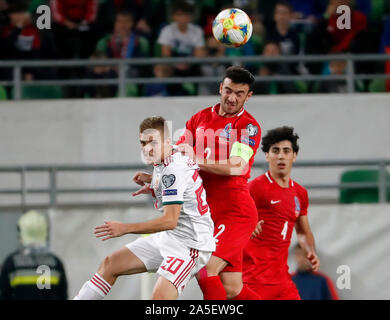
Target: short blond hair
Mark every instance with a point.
(155, 122)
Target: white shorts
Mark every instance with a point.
(164, 254)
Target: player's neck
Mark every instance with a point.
(281, 180)
(222, 113)
(167, 152)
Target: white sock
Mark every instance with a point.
(95, 289)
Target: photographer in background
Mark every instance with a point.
(24, 274)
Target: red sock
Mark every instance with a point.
(247, 294)
(212, 288)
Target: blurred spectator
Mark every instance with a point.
(3, 13)
(272, 49)
(334, 86)
(100, 72)
(163, 89)
(105, 18)
(311, 285)
(308, 9)
(20, 277)
(266, 8)
(181, 38)
(124, 42)
(213, 49)
(73, 20)
(19, 39)
(341, 39)
(328, 38)
(385, 48)
(141, 10)
(281, 31)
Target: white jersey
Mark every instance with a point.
(177, 181)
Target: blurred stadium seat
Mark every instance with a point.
(363, 195)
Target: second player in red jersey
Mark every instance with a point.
(281, 204)
(224, 139)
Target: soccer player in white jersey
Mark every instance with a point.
(182, 239)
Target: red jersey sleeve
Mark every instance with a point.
(249, 134)
(305, 202)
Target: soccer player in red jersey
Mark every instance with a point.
(223, 139)
(281, 204)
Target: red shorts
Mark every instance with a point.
(235, 217)
(284, 291)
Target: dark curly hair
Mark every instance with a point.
(280, 134)
(240, 75)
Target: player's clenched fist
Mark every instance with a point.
(187, 150)
(315, 262)
(110, 229)
(141, 178)
(257, 230)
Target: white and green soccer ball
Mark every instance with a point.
(232, 28)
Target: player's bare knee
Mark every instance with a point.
(107, 267)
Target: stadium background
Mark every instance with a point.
(98, 131)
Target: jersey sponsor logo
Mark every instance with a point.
(297, 206)
(170, 192)
(226, 131)
(275, 201)
(168, 180)
(252, 129)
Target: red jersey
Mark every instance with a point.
(341, 38)
(74, 10)
(213, 137)
(265, 257)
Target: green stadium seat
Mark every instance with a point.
(364, 195)
(377, 85)
(156, 49)
(378, 10)
(3, 93)
(132, 90)
(301, 86)
(42, 92)
(144, 47)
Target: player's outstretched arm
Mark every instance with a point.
(114, 229)
(234, 166)
(306, 241)
(143, 190)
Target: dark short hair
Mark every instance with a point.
(280, 134)
(239, 75)
(182, 5)
(275, 43)
(284, 4)
(155, 122)
(125, 13)
(17, 6)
